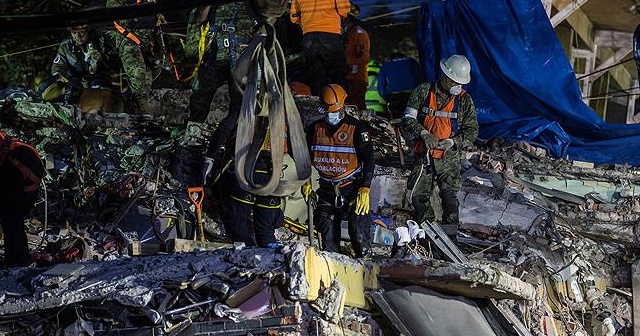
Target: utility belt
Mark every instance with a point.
(340, 200)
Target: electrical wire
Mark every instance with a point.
(29, 50)
(604, 69)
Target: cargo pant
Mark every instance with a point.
(327, 219)
(445, 173)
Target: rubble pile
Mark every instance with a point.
(545, 247)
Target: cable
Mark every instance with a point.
(29, 50)
(604, 69)
(46, 214)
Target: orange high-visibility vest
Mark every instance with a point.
(7, 144)
(441, 122)
(335, 156)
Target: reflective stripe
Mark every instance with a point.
(268, 206)
(124, 32)
(410, 112)
(241, 200)
(333, 149)
(445, 114)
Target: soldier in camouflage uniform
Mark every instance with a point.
(231, 28)
(129, 41)
(84, 60)
(441, 119)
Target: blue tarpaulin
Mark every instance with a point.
(522, 83)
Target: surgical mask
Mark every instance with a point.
(333, 118)
(455, 90)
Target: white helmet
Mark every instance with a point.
(457, 68)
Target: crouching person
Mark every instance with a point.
(21, 171)
(342, 152)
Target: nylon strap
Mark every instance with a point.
(267, 103)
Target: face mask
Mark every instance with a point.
(455, 90)
(333, 118)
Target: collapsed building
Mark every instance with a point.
(545, 245)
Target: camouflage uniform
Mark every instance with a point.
(73, 63)
(231, 27)
(133, 61)
(445, 171)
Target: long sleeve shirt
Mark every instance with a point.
(358, 48)
(322, 16)
(398, 75)
(467, 119)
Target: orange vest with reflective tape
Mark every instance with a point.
(439, 121)
(7, 144)
(334, 156)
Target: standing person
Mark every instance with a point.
(441, 119)
(373, 99)
(342, 152)
(397, 78)
(21, 171)
(224, 30)
(321, 40)
(358, 47)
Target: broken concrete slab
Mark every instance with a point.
(470, 280)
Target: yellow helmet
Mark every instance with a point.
(333, 96)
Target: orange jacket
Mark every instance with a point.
(319, 15)
(357, 47)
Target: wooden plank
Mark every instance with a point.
(635, 281)
(185, 245)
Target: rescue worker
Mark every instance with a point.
(131, 38)
(373, 100)
(21, 171)
(397, 78)
(441, 119)
(225, 30)
(321, 40)
(358, 47)
(84, 60)
(342, 152)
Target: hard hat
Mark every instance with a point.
(457, 68)
(53, 91)
(300, 89)
(333, 96)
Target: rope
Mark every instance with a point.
(267, 106)
(29, 50)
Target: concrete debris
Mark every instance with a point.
(544, 246)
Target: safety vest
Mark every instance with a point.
(373, 100)
(334, 156)
(7, 144)
(442, 122)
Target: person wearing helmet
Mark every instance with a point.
(441, 119)
(357, 46)
(342, 151)
(397, 78)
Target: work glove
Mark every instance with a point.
(207, 167)
(362, 201)
(305, 190)
(430, 140)
(445, 144)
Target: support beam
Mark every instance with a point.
(616, 58)
(613, 39)
(566, 11)
(548, 4)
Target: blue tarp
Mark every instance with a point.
(522, 83)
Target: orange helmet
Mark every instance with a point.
(333, 96)
(300, 89)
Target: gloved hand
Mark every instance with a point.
(430, 140)
(207, 166)
(305, 190)
(362, 201)
(445, 144)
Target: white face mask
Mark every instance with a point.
(333, 118)
(455, 90)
